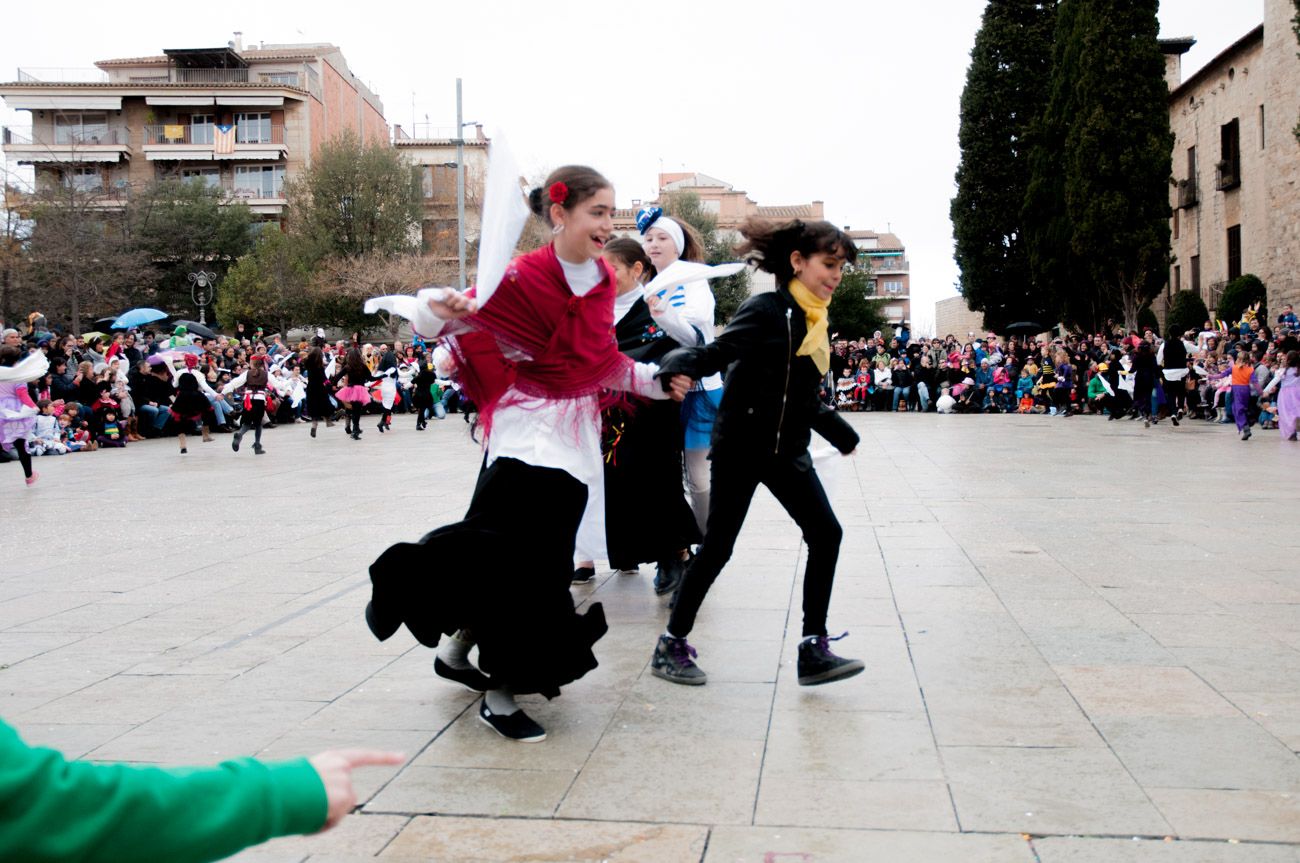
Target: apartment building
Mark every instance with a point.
(1236, 188)
(890, 274)
(241, 119)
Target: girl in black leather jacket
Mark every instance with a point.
(775, 353)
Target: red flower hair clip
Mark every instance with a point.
(559, 193)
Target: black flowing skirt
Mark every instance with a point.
(318, 401)
(643, 478)
(502, 572)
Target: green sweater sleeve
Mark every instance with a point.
(55, 809)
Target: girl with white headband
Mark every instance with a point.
(685, 311)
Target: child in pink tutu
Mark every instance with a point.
(355, 393)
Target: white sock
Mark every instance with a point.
(501, 702)
(668, 634)
(455, 650)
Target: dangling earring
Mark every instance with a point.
(557, 228)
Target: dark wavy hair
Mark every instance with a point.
(769, 246)
(582, 182)
(628, 252)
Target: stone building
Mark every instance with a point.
(1236, 183)
(953, 316)
(242, 119)
(433, 151)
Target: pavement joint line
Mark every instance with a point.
(307, 609)
(771, 706)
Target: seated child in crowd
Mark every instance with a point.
(44, 437)
(110, 432)
(74, 439)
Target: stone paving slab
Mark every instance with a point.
(1068, 658)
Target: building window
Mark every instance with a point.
(1178, 278)
(210, 177)
(893, 286)
(201, 128)
(253, 128)
(1229, 167)
(1191, 164)
(259, 181)
(1196, 273)
(80, 128)
(871, 286)
(439, 182)
(83, 179)
(1261, 127)
(1176, 212)
(1234, 252)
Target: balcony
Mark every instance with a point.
(62, 75)
(1227, 175)
(26, 146)
(185, 141)
(1187, 193)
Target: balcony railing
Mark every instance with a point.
(180, 133)
(881, 265)
(23, 136)
(1187, 193)
(1227, 176)
(61, 76)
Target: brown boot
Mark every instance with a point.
(133, 429)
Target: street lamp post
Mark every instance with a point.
(460, 187)
(203, 286)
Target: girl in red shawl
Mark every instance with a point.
(539, 360)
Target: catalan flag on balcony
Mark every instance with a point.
(223, 139)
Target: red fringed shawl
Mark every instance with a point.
(565, 343)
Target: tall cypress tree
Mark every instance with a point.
(1118, 157)
(1098, 203)
(1047, 227)
(1006, 91)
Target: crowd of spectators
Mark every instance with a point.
(114, 390)
(1115, 373)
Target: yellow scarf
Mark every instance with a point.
(817, 343)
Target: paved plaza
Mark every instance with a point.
(1082, 644)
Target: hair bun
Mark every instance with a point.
(537, 202)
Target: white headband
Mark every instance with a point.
(670, 227)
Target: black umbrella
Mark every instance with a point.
(1028, 327)
(197, 329)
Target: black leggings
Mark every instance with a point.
(800, 492)
(24, 457)
(357, 408)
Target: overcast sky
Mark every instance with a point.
(850, 102)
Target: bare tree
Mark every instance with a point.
(80, 251)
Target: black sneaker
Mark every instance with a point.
(668, 575)
(470, 678)
(516, 726)
(673, 661)
(257, 449)
(1173, 418)
(818, 665)
(234, 444)
(584, 575)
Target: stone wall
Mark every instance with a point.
(1255, 82)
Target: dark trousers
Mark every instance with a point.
(1175, 397)
(252, 418)
(800, 492)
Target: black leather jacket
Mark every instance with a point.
(770, 400)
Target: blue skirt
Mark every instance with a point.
(699, 410)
